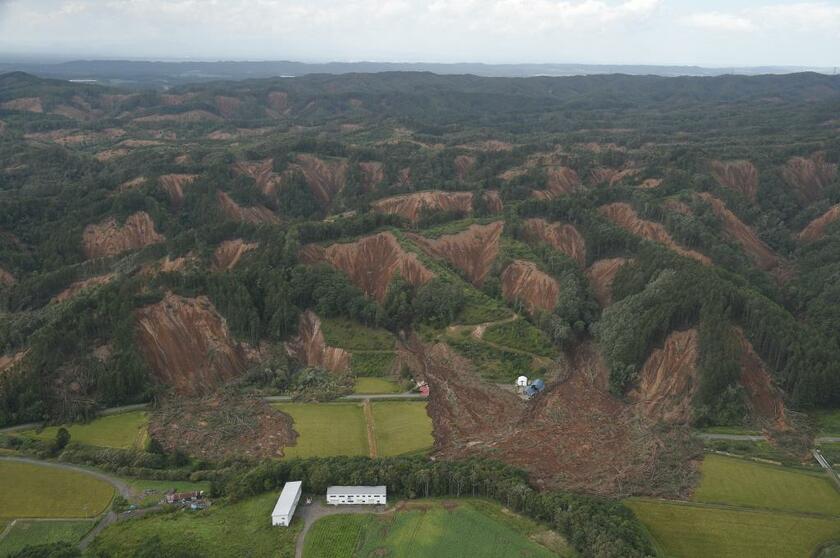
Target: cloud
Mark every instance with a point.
(717, 21)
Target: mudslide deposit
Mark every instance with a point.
(82, 285)
(523, 282)
(263, 174)
(109, 239)
(228, 253)
(325, 178)
(371, 262)
(26, 104)
(187, 345)
(816, 228)
(623, 215)
(6, 278)
(668, 379)
(463, 165)
(809, 176)
(559, 181)
(174, 185)
(373, 174)
(472, 251)
(310, 348)
(564, 238)
(761, 254)
(764, 398)
(738, 176)
(604, 175)
(601, 275)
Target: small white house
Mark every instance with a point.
(286, 504)
(338, 495)
(522, 382)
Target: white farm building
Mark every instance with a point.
(286, 504)
(337, 495)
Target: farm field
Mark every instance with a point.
(241, 529)
(30, 491)
(698, 531)
(432, 529)
(26, 533)
(350, 335)
(743, 483)
(124, 430)
(521, 335)
(401, 427)
(374, 386)
(327, 429)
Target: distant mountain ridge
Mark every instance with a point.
(163, 74)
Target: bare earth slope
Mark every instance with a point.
(562, 237)
(310, 348)
(109, 239)
(522, 281)
(738, 176)
(473, 251)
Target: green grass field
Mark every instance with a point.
(241, 529)
(738, 482)
(327, 429)
(430, 529)
(26, 533)
(401, 427)
(521, 335)
(36, 491)
(125, 430)
(491, 363)
(372, 386)
(351, 335)
(372, 363)
(827, 421)
(698, 531)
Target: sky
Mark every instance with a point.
(709, 33)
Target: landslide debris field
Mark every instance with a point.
(220, 242)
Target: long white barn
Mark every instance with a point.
(286, 504)
(338, 495)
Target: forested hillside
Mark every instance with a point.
(662, 251)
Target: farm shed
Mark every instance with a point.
(286, 504)
(337, 495)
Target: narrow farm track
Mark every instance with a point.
(371, 432)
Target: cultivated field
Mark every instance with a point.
(30, 491)
(743, 483)
(745, 509)
(432, 529)
(401, 427)
(350, 335)
(697, 531)
(124, 430)
(26, 533)
(241, 529)
(372, 386)
(327, 429)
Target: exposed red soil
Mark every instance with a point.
(109, 239)
(6, 278)
(9, 361)
(263, 174)
(373, 173)
(816, 228)
(562, 237)
(522, 281)
(463, 165)
(181, 117)
(601, 275)
(76, 137)
(650, 183)
(251, 214)
(764, 398)
(761, 254)
(560, 181)
(184, 159)
(132, 184)
(226, 135)
(174, 185)
(110, 155)
(574, 435)
(623, 215)
(473, 251)
(371, 262)
(677, 206)
(187, 345)
(27, 104)
(80, 111)
(82, 285)
(228, 253)
(311, 349)
(668, 380)
(603, 175)
(412, 206)
(278, 101)
(809, 176)
(222, 426)
(169, 265)
(493, 201)
(739, 176)
(325, 178)
(170, 100)
(227, 106)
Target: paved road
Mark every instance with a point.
(310, 513)
(758, 437)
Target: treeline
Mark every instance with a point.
(594, 527)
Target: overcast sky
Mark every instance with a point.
(708, 32)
